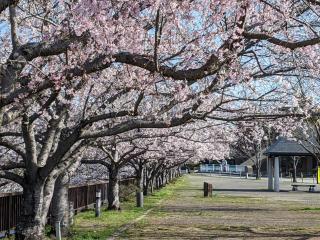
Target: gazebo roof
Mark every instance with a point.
(286, 147)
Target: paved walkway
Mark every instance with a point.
(236, 186)
(239, 209)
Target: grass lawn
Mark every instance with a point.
(88, 227)
(226, 215)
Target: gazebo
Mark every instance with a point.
(284, 147)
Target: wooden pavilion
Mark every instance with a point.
(279, 150)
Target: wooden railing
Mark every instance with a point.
(10, 209)
(82, 196)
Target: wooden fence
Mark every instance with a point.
(10, 209)
(82, 197)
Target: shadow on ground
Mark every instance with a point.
(243, 190)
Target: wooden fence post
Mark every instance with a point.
(207, 189)
(9, 213)
(106, 194)
(87, 196)
(76, 205)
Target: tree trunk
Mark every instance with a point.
(157, 182)
(294, 175)
(165, 180)
(258, 172)
(140, 189)
(35, 206)
(60, 205)
(152, 186)
(146, 187)
(162, 180)
(113, 189)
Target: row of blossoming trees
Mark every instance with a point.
(147, 83)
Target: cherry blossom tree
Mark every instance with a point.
(115, 155)
(253, 139)
(170, 62)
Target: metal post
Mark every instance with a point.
(276, 174)
(313, 178)
(139, 196)
(98, 203)
(58, 230)
(71, 213)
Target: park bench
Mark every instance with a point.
(296, 185)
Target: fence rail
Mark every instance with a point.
(207, 168)
(81, 196)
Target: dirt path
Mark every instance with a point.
(242, 213)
